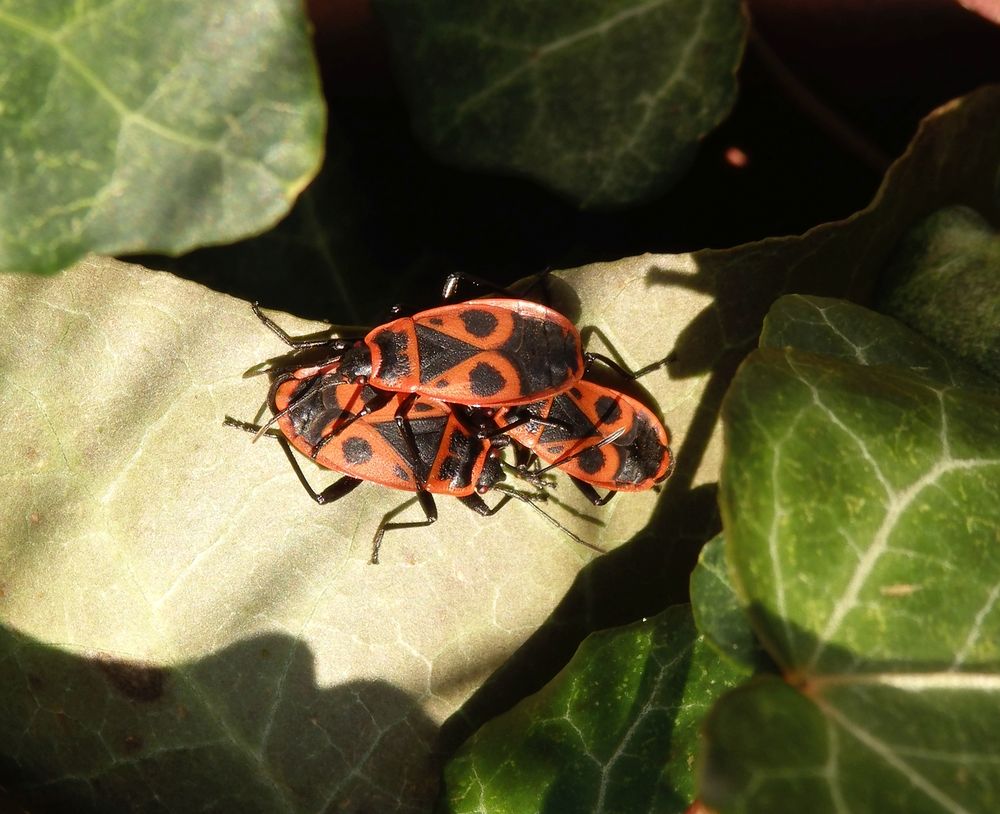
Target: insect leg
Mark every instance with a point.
(247, 426)
(298, 344)
(512, 493)
(590, 492)
(426, 500)
(617, 364)
(403, 423)
(526, 418)
(336, 490)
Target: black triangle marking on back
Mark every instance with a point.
(427, 432)
(439, 352)
(566, 411)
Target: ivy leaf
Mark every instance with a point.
(718, 614)
(603, 103)
(616, 730)
(861, 514)
(151, 126)
(943, 282)
(857, 334)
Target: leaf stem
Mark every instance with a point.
(829, 120)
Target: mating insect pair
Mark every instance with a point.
(428, 403)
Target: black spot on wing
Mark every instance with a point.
(608, 409)
(591, 460)
(357, 451)
(478, 322)
(485, 380)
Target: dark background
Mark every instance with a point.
(830, 92)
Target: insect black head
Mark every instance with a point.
(356, 364)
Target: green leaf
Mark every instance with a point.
(718, 614)
(861, 514)
(614, 731)
(895, 743)
(319, 247)
(150, 126)
(856, 334)
(943, 283)
(604, 103)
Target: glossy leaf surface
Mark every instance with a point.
(616, 730)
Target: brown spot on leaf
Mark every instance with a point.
(133, 744)
(135, 681)
(63, 720)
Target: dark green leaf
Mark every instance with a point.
(856, 334)
(943, 283)
(717, 611)
(603, 102)
(150, 126)
(861, 513)
(615, 731)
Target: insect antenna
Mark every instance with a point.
(609, 440)
(507, 490)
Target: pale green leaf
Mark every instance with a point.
(150, 551)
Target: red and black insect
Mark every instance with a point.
(487, 352)
(598, 436)
(407, 442)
